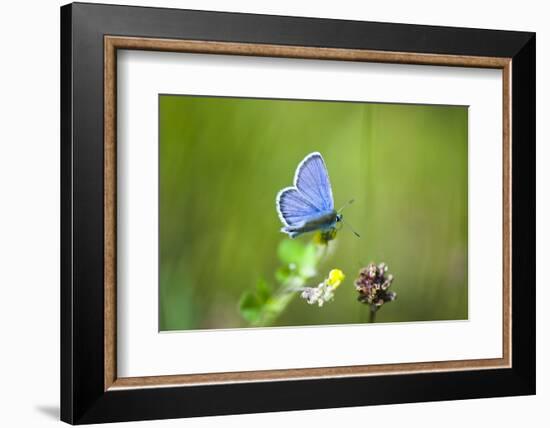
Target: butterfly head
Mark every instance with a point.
(339, 217)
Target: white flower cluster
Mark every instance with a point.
(321, 294)
(324, 292)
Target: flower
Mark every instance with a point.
(319, 294)
(373, 286)
(325, 236)
(324, 292)
(335, 278)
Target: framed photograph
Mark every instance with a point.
(265, 213)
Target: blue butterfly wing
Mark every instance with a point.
(309, 200)
(294, 208)
(311, 179)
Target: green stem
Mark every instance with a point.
(372, 315)
(283, 296)
(269, 316)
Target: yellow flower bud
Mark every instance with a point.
(335, 278)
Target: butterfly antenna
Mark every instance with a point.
(352, 229)
(346, 204)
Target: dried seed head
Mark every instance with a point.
(372, 284)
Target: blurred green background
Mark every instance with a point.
(223, 160)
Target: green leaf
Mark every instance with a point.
(263, 291)
(291, 252)
(250, 307)
(298, 258)
(282, 274)
(308, 263)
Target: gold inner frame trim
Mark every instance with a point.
(113, 43)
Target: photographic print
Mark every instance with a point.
(279, 212)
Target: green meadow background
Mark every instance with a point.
(223, 160)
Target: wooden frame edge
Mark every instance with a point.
(112, 43)
(109, 198)
(507, 213)
(299, 374)
(301, 52)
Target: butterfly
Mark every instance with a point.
(308, 205)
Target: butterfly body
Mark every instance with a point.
(308, 205)
(323, 222)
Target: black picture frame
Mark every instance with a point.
(83, 396)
